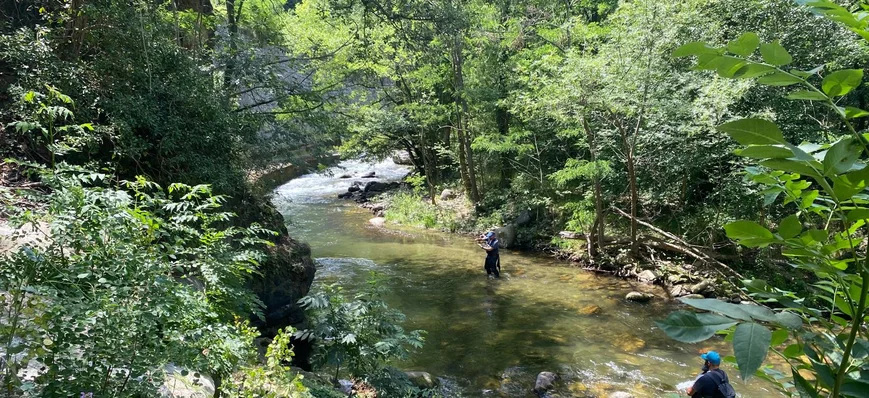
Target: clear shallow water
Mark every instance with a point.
(492, 337)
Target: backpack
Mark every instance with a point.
(725, 390)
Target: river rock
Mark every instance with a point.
(402, 158)
(590, 310)
(354, 188)
(369, 174)
(345, 195)
(679, 291)
(506, 235)
(423, 380)
(545, 382)
(345, 386)
(621, 394)
(523, 218)
(694, 296)
(647, 276)
(639, 297)
(700, 287)
(377, 221)
(377, 207)
(569, 235)
(377, 186)
(448, 194)
(345, 176)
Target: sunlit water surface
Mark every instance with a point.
(492, 337)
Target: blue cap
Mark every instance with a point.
(712, 357)
(490, 234)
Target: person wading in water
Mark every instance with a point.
(493, 260)
(713, 382)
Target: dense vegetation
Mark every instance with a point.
(137, 127)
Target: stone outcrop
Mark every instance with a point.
(639, 297)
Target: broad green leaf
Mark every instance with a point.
(794, 166)
(778, 337)
(753, 70)
(841, 82)
(745, 229)
(750, 344)
(858, 214)
(753, 132)
(695, 48)
(841, 156)
(765, 152)
(731, 310)
(727, 66)
(855, 388)
(707, 62)
(790, 227)
(689, 327)
(854, 113)
(793, 351)
(779, 79)
(744, 45)
(807, 95)
(788, 319)
(774, 54)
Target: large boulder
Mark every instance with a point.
(523, 218)
(506, 235)
(639, 297)
(354, 188)
(545, 382)
(402, 158)
(423, 380)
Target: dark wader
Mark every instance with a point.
(493, 260)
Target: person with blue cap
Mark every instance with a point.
(493, 260)
(713, 382)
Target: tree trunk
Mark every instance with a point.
(632, 183)
(232, 26)
(463, 111)
(599, 228)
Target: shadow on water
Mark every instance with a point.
(492, 337)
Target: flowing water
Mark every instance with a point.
(492, 337)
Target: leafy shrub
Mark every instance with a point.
(359, 335)
(120, 282)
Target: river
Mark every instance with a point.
(491, 337)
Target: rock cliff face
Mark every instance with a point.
(284, 278)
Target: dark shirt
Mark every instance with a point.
(707, 386)
(494, 244)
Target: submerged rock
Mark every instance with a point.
(545, 382)
(423, 380)
(590, 310)
(369, 174)
(639, 297)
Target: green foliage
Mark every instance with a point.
(832, 345)
(271, 380)
(360, 334)
(112, 284)
(410, 209)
